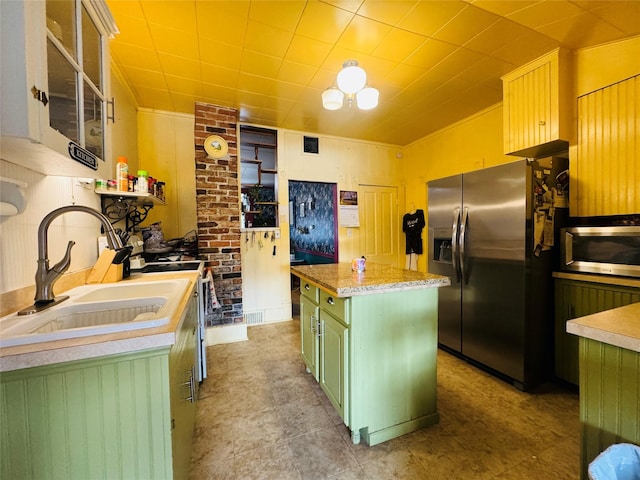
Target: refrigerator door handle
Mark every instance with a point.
(454, 242)
(462, 240)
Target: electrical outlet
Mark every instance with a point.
(277, 233)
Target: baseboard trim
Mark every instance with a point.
(236, 332)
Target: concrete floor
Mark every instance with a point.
(261, 416)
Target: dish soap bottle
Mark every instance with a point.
(122, 174)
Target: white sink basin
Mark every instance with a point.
(96, 310)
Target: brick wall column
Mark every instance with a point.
(218, 210)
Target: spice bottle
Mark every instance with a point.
(142, 185)
(122, 172)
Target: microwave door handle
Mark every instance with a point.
(455, 232)
(568, 248)
(462, 240)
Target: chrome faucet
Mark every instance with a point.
(45, 276)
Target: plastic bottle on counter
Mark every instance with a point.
(142, 185)
(122, 172)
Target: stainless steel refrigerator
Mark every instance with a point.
(494, 233)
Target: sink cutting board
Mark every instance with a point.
(101, 267)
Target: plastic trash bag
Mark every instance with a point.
(618, 462)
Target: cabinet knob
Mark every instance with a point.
(330, 301)
(307, 287)
(542, 123)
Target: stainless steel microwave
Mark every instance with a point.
(604, 250)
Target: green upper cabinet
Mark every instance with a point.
(577, 298)
(55, 86)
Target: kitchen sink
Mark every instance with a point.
(95, 310)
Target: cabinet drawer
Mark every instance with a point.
(335, 306)
(309, 291)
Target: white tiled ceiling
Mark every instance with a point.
(434, 62)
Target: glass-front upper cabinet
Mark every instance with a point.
(259, 176)
(55, 86)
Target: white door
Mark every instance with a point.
(379, 224)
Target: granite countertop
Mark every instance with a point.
(80, 348)
(339, 280)
(619, 327)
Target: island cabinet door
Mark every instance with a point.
(308, 334)
(334, 357)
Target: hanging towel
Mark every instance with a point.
(211, 300)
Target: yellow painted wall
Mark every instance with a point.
(472, 144)
(603, 65)
(124, 128)
(166, 151)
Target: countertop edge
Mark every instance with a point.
(618, 327)
(602, 279)
(344, 292)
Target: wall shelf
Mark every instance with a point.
(132, 207)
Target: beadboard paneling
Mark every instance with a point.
(609, 398)
(95, 419)
(606, 174)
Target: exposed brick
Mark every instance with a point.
(218, 213)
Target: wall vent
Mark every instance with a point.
(254, 318)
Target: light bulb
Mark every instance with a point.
(332, 99)
(351, 78)
(367, 98)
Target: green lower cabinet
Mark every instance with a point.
(376, 359)
(609, 398)
(111, 417)
(308, 334)
(573, 299)
(333, 358)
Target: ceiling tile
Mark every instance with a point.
(539, 14)
(223, 20)
(385, 11)
(403, 75)
(185, 86)
(398, 45)
(146, 78)
(136, 57)
(267, 39)
(254, 83)
(218, 95)
(323, 22)
(175, 42)
(465, 25)
(430, 53)
(348, 5)
(258, 64)
(215, 75)
(133, 31)
(496, 36)
(180, 15)
(284, 15)
(220, 54)
(155, 98)
(569, 33)
(307, 51)
(296, 73)
(426, 18)
(180, 66)
(363, 35)
(523, 49)
(626, 16)
(503, 7)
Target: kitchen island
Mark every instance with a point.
(609, 379)
(370, 339)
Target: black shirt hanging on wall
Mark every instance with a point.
(412, 225)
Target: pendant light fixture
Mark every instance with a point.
(352, 82)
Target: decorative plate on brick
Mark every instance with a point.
(216, 146)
